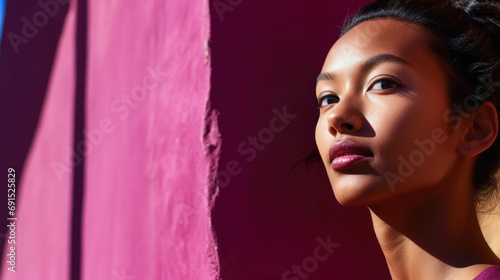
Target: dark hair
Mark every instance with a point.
(465, 35)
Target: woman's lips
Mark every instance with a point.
(347, 154)
(348, 161)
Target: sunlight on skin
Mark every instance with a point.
(388, 94)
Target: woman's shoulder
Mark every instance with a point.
(491, 273)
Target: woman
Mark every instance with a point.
(408, 126)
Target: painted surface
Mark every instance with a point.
(42, 231)
(146, 208)
(152, 148)
(26, 65)
(148, 151)
(272, 221)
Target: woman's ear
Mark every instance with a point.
(481, 130)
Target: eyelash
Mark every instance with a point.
(390, 80)
(322, 98)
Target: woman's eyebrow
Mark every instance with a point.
(381, 58)
(325, 76)
(366, 66)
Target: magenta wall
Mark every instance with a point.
(268, 218)
(146, 152)
(31, 75)
(146, 207)
(175, 91)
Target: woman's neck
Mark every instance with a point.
(438, 239)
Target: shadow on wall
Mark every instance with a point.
(272, 222)
(31, 31)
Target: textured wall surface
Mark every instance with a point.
(178, 95)
(44, 196)
(151, 148)
(147, 151)
(26, 63)
(271, 219)
(146, 209)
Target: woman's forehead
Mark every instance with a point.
(377, 37)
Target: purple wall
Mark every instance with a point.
(25, 67)
(157, 96)
(269, 218)
(42, 232)
(147, 152)
(146, 207)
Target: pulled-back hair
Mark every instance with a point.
(465, 35)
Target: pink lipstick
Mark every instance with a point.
(347, 154)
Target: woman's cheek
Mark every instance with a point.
(396, 130)
(412, 145)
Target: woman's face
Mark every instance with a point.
(383, 129)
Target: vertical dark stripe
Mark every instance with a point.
(79, 169)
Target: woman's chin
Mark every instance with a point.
(353, 200)
(361, 193)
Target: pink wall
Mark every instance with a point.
(146, 208)
(42, 234)
(153, 149)
(269, 219)
(147, 163)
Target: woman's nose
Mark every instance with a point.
(345, 118)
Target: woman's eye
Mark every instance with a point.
(327, 100)
(384, 84)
